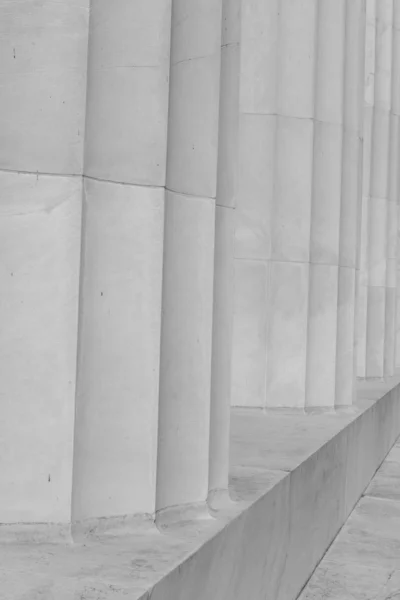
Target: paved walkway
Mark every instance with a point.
(363, 563)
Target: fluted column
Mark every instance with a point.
(187, 305)
(221, 372)
(369, 87)
(380, 208)
(340, 106)
(395, 173)
(43, 50)
(397, 349)
(393, 199)
(116, 426)
(298, 202)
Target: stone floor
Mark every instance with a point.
(266, 450)
(363, 563)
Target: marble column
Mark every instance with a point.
(369, 87)
(187, 305)
(380, 208)
(298, 202)
(43, 51)
(395, 174)
(335, 203)
(393, 200)
(221, 371)
(116, 426)
(397, 348)
(350, 202)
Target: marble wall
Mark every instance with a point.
(198, 209)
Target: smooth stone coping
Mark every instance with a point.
(295, 479)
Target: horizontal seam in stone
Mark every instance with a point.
(298, 118)
(191, 59)
(90, 177)
(127, 183)
(83, 176)
(381, 199)
(295, 262)
(229, 207)
(229, 44)
(22, 172)
(193, 196)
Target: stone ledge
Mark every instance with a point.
(295, 477)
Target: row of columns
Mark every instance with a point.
(201, 231)
(377, 301)
(127, 412)
(144, 366)
(298, 203)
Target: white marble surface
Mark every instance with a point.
(363, 562)
(119, 351)
(39, 279)
(43, 58)
(376, 343)
(127, 91)
(185, 366)
(301, 89)
(188, 268)
(290, 477)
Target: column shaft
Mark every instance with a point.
(43, 50)
(378, 199)
(395, 174)
(369, 83)
(116, 426)
(186, 336)
(350, 206)
(221, 372)
(329, 84)
(393, 196)
(298, 203)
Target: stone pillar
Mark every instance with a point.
(369, 83)
(298, 202)
(350, 202)
(393, 199)
(116, 425)
(186, 337)
(43, 51)
(379, 209)
(221, 372)
(335, 203)
(395, 172)
(397, 349)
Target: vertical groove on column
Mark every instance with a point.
(221, 371)
(378, 199)
(186, 334)
(393, 194)
(254, 199)
(288, 266)
(353, 93)
(395, 178)
(369, 90)
(326, 204)
(397, 349)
